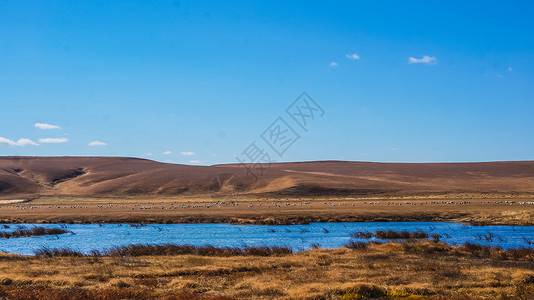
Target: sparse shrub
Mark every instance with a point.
(435, 237)
(528, 279)
(479, 250)
(6, 281)
(418, 235)
(121, 284)
(521, 253)
(267, 251)
(315, 246)
(324, 260)
(47, 252)
(37, 231)
(425, 247)
(389, 235)
(398, 235)
(359, 291)
(403, 295)
(361, 235)
(356, 245)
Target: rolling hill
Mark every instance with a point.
(117, 176)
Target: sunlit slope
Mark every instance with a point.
(115, 176)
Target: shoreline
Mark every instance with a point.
(462, 218)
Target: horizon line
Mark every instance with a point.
(249, 163)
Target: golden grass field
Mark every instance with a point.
(395, 270)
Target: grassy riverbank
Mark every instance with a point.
(395, 270)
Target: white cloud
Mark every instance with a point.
(53, 140)
(149, 154)
(21, 142)
(45, 126)
(194, 161)
(97, 143)
(424, 60)
(333, 64)
(167, 152)
(510, 69)
(6, 141)
(188, 153)
(353, 56)
(26, 142)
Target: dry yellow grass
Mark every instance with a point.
(413, 270)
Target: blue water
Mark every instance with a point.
(88, 237)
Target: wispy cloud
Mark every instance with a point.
(510, 69)
(353, 56)
(149, 154)
(424, 60)
(97, 143)
(53, 140)
(188, 153)
(21, 142)
(194, 161)
(45, 126)
(167, 152)
(26, 142)
(6, 141)
(333, 64)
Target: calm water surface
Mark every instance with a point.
(88, 237)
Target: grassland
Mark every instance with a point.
(477, 209)
(394, 270)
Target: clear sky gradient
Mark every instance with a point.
(198, 81)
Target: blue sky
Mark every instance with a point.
(199, 81)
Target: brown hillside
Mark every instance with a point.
(115, 176)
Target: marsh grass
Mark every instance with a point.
(410, 269)
(36, 231)
(390, 235)
(168, 249)
(356, 245)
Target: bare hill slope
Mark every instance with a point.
(116, 176)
